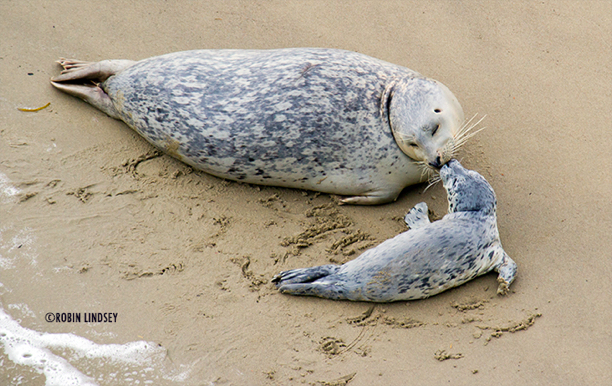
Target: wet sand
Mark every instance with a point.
(102, 223)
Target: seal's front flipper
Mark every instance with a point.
(371, 198)
(75, 70)
(91, 94)
(304, 275)
(507, 273)
(418, 216)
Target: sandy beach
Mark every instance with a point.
(94, 220)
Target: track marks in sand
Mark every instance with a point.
(326, 223)
(469, 319)
(373, 316)
(255, 281)
(512, 326)
(132, 271)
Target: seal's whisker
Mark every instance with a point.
(468, 126)
(460, 131)
(465, 132)
(465, 138)
(432, 181)
(430, 173)
(425, 169)
(469, 135)
(424, 173)
(469, 129)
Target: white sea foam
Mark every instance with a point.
(7, 190)
(23, 309)
(31, 348)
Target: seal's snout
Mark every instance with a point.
(452, 162)
(437, 163)
(446, 169)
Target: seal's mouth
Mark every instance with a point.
(451, 162)
(443, 173)
(446, 169)
(437, 172)
(437, 163)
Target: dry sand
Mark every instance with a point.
(185, 259)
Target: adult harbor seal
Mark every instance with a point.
(425, 260)
(319, 119)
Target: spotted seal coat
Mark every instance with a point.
(327, 120)
(425, 260)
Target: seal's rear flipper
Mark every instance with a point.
(91, 94)
(304, 275)
(80, 79)
(75, 70)
(327, 290)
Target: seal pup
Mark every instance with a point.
(425, 260)
(327, 120)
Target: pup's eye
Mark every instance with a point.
(435, 130)
(437, 111)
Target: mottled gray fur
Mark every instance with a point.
(318, 119)
(425, 260)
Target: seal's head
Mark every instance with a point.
(467, 190)
(426, 120)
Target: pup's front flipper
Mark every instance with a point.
(418, 216)
(507, 273)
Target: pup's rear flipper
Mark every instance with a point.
(304, 275)
(327, 290)
(80, 79)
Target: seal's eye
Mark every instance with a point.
(413, 144)
(437, 111)
(435, 130)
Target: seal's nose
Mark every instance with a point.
(437, 163)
